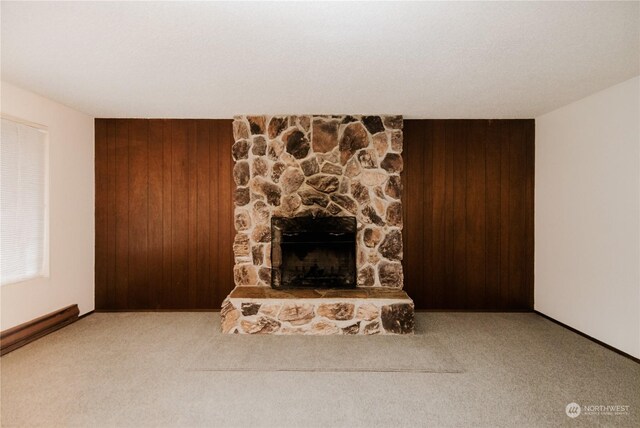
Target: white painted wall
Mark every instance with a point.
(587, 233)
(71, 202)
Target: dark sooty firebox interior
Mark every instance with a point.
(311, 252)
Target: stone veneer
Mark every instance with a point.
(293, 166)
(367, 311)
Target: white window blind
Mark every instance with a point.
(23, 163)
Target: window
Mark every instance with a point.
(23, 202)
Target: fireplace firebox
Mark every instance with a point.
(309, 252)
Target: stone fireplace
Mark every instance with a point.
(318, 207)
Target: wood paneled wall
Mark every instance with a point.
(164, 225)
(468, 213)
(164, 214)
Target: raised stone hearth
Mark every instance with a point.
(263, 310)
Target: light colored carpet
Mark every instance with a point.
(420, 353)
(130, 369)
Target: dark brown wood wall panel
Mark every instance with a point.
(164, 214)
(468, 214)
(164, 218)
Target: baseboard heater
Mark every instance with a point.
(22, 334)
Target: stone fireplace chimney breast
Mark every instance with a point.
(311, 169)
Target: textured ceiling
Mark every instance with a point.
(214, 60)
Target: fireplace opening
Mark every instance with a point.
(309, 252)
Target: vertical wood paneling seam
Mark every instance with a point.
(172, 123)
(508, 220)
(218, 211)
(106, 210)
(189, 213)
(486, 214)
(115, 212)
(192, 215)
(106, 283)
(465, 133)
(525, 266)
(421, 205)
(126, 294)
(448, 196)
(187, 262)
(526, 217)
(524, 251)
(523, 183)
(217, 195)
(197, 216)
(193, 177)
(211, 172)
(157, 300)
(499, 222)
(108, 184)
(431, 251)
(148, 294)
(214, 189)
(486, 179)
(197, 211)
(111, 278)
(209, 279)
(106, 220)
(453, 222)
(427, 243)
